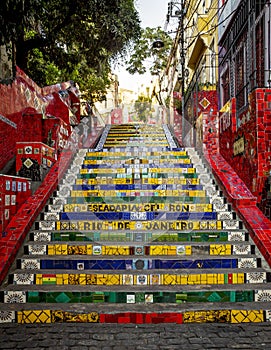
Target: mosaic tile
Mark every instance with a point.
(232, 224)
(139, 250)
(263, 295)
(148, 298)
(70, 179)
(155, 279)
(64, 190)
(14, 297)
(212, 316)
(30, 264)
(241, 249)
(59, 201)
(7, 316)
(237, 236)
(256, 277)
(55, 208)
(247, 263)
(34, 316)
(130, 298)
(40, 236)
(244, 316)
(23, 278)
(51, 216)
(37, 249)
(46, 225)
(141, 280)
(127, 279)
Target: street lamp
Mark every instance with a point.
(158, 44)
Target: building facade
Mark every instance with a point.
(224, 89)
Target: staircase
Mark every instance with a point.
(137, 232)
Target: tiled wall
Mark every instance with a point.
(245, 140)
(13, 193)
(23, 105)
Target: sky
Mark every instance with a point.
(152, 14)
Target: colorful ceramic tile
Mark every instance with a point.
(244, 316)
(127, 279)
(247, 263)
(37, 249)
(40, 236)
(263, 295)
(14, 297)
(130, 298)
(256, 277)
(23, 278)
(34, 316)
(211, 316)
(30, 264)
(7, 316)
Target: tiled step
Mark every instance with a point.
(140, 237)
(85, 295)
(85, 248)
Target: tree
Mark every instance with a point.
(143, 107)
(148, 57)
(69, 39)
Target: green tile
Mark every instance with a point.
(33, 297)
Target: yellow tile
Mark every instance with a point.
(59, 278)
(113, 280)
(234, 278)
(241, 278)
(203, 278)
(170, 279)
(188, 250)
(64, 316)
(210, 278)
(155, 250)
(38, 278)
(172, 250)
(82, 279)
(183, 279)
(65, 278)
(102, 279)
(220, 278)
(194, 279)
(244, 316)
(89, 249)
(123, 250)
(62, 249)
(51, 249)
(34, 316)
(91, 279)
(74, 279)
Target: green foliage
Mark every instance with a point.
(77, 40)
(143, 107)
(146, 56)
